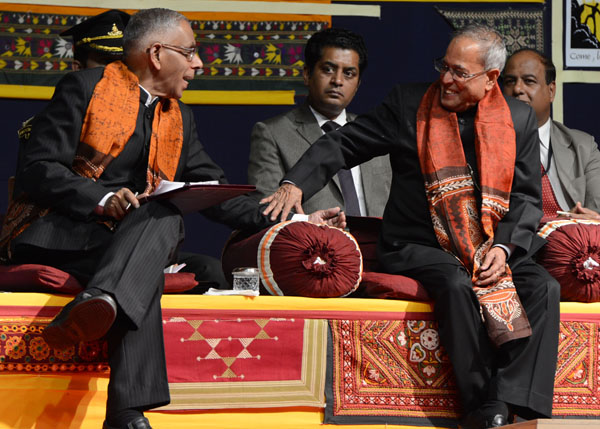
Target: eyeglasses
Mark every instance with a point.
(459, 76)
(188, 53)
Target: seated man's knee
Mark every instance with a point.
(448, 282)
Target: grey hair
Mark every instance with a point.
(491, 44)
(149, 23)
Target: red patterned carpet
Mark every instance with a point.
(396, 372)
(212, 362)
(269, 352)
(245, 362)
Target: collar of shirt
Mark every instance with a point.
(340, 120)
(544, 133)
(149, 99)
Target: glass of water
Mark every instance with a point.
(246, 278)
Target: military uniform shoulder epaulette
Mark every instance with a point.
(25, 130)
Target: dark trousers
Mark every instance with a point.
(129, 265)
(520, 372)
(206, 269)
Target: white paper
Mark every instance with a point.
(175, 268)
(213, 291)
(167, 185)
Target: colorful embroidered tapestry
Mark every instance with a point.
(577, 381)
(245, 362)
(381, 370)
(22, 349)
(395, 372)
(522, 28)
(392, 372)
(251, 54)
(212, 363)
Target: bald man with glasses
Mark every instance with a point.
(461, 218)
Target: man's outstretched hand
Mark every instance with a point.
(332, 217)
(580, 212)
(286, 198)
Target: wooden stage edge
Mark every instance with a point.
(556, 424)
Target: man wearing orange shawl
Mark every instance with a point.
(107, 133)
(461, 218)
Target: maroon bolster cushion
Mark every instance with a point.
(43, 278)
(390, 286)
(572, 257)
(299, 259)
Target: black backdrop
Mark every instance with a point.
(402, 45)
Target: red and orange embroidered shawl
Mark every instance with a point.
(450, 190)
(110, 121)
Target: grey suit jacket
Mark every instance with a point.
(577, 161)
(277, 143)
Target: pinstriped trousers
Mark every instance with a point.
(129, 264)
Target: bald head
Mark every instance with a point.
(529, 77)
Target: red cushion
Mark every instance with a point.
(43, 278)
(179, 282)
(299, 259)
(393, 286)
(37, 278)
(572, 257)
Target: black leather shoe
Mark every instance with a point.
(139, 423)
(496, 421)
(86, 318)
(476, 420)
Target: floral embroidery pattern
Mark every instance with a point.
(22, 349)
(399, 370)
(264, 55)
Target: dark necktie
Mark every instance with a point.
(346, 181)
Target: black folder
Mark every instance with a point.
(194, 197)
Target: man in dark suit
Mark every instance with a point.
(97, 42)
(461, 219)
(106, 134)
(570, 158)
(335, 62)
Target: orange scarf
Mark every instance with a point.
(450, 191)
(110, 121)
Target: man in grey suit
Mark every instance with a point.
(570, 158)
(335, 60)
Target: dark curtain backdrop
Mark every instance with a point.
(402, 45)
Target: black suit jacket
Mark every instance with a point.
(45, 175)
(407, 234)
